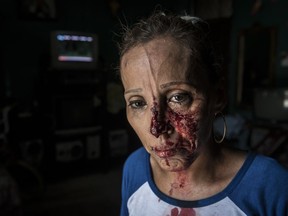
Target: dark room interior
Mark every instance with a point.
(64, 135)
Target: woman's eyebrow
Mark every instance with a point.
(133, 90)
(166, 85)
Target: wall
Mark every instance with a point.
(273, 13)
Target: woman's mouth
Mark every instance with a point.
(164, 153)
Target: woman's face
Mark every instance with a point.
(164, 107)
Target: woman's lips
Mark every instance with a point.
(164, 153)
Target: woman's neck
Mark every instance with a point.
(209, 174)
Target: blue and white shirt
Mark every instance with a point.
(259, 188)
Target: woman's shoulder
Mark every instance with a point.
(264, 172)
(137, 160)
(270, 166)
(135, 169)
(262, 184)
(137, 155)
(258, 169)
(258, 163)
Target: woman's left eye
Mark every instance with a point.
(180, 98)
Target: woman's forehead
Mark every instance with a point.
(163, 56)
(161, 61)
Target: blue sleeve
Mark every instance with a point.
(264, 189)
(124, 190)
(134, 175)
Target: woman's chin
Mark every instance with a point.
(173, 164)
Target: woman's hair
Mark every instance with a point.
(191, 32)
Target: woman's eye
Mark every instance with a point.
(137, 104)
(182, 98)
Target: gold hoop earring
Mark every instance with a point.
(224, 128)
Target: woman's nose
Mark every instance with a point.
(159, 124)
(157, 127)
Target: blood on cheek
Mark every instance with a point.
(185, 124)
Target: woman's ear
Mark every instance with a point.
(220, 96)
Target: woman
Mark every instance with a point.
(174, 91)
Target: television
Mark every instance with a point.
(73, 50)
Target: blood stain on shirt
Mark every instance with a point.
(183, 212)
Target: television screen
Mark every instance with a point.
(73, 50)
